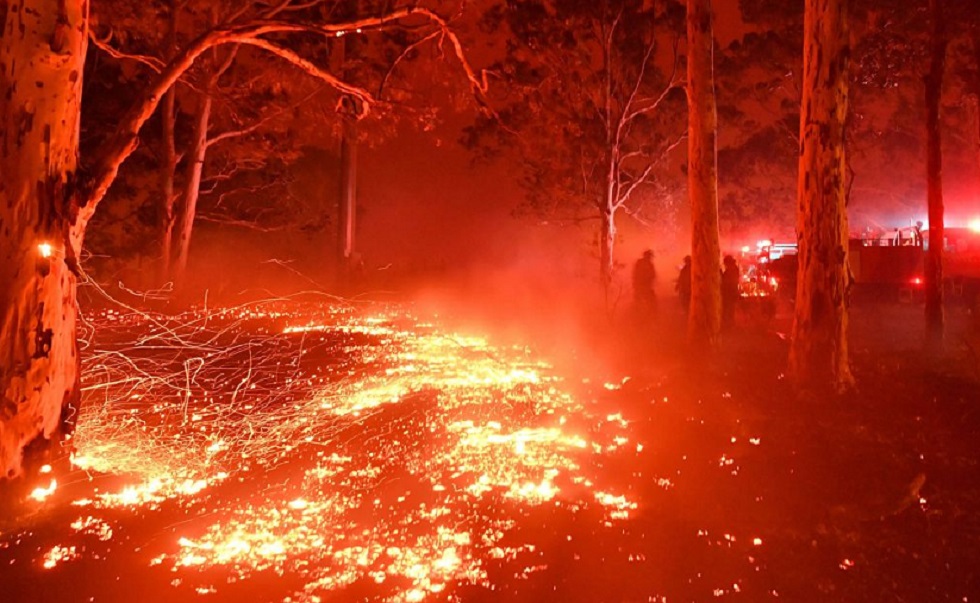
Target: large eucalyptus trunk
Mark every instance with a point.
(934, 177)
(818, 352)
(42, 53)
(704, 318)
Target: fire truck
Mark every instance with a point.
(885, 266)
(768, 269)
(891, 264)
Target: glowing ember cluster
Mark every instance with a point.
(333, 443)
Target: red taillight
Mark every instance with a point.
(917, 281)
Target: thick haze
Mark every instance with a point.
(427, 214)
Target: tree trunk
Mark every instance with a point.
(42, 52)
(607, 206)
(607, 241)
(192, 186)
(347, 207)
(340, 56)
(704, 318)
(168, 167)
(934, 179)
(818, 352)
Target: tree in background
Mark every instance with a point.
(758, 91)
(232, 129)
(818, 351)
(704, 318)
(934, 175)
(588, 110)
(47, 199)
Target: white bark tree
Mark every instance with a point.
(588, 113)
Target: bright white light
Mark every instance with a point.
(975, 225)
(45, 249)
(39, 493)
(764, 243)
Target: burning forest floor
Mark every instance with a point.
(322, 450)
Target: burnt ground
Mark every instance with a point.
(744, 491)
(868, 496)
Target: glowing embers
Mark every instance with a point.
(524, 462)
(158, 470)
(358, 448)
(42, 492)
(94, 526)
(58, 554)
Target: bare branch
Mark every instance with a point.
(126, 138)
(249, 224)
(255, 126)
(672, 83)
(152, 62)
(642, 178)
(404, 54)
(651, 47)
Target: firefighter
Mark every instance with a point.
(683, 286)
(729, 292)
(644, 278)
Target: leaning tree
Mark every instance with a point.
(48, 194)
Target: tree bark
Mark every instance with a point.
(934, 178)
(818, 352)
(42, 50)
(704, 317)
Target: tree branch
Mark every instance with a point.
(625, 196)
(255, 126)
(118, 148)
(152, 62)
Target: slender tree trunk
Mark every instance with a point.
(607, 241)
(42, 55)
(934, 178)
(704, 318)
(607, 212)
(347, 193)
(192, 186)
(168, 167)
(347, 207)
(818, 352)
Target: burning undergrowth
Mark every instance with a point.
(330, 445)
